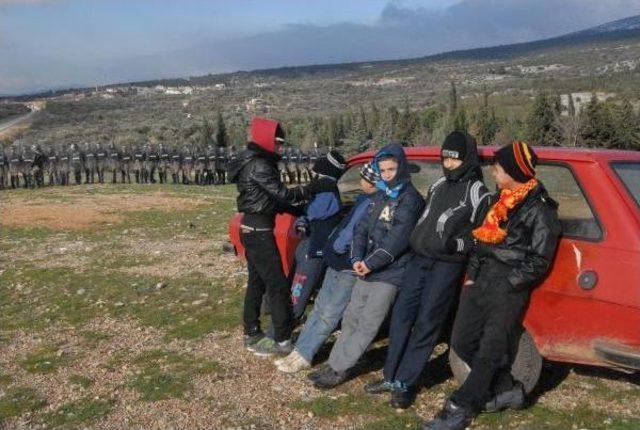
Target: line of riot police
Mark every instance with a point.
(34, 166)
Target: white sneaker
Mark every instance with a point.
(293, 363)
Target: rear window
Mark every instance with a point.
(629, 174)
(423, 174)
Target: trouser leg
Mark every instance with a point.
(365, 319)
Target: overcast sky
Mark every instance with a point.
(60, 43)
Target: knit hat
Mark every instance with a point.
(368, 174)
(518, 160)
(332, 164)
(454, 146)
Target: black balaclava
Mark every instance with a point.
(461, 146)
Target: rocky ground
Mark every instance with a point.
(119, 309)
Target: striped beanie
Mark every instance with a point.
(368, 174)
(518, 160)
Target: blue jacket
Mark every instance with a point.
(336, 250)
(381, 239)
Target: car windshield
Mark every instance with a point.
(629, 174)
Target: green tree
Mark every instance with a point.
(541, 122)
(222, 138)
(486, 121)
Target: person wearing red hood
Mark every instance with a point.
(261, 195)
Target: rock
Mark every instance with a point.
(160, 285)
(198, 302)
(80, 291)
(118, 304)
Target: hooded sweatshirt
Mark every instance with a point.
(380, 239)
(456, 203)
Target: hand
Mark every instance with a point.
(361, 269)
(469, 282)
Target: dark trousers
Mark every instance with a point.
(424, 301)
(308, 277)
(266, 277)
(485, 333)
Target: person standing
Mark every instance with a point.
(261, 195)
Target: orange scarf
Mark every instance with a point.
(490, 231)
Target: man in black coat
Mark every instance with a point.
(516, 245)
(261, 195)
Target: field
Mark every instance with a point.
(119, 309)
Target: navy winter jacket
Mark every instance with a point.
(381, 240)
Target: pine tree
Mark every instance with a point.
(222, 138)
(486, 121)
(626, 133)
(542, 120)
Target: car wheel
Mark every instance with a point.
(526, 367)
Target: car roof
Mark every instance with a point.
(546, 153)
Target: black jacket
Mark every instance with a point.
(533, 231)
(455, 204)
(380, 239)
(260, 191)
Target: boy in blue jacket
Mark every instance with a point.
(378, 257)
(335, 293)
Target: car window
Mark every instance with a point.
(576, 216)
(423, 174)
(629, 174)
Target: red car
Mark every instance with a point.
(587, 311)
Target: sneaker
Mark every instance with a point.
(267, 347)
(511, 399)
(330, 379)
(293, 363)
(451, 417)
(402, 398)
(319, 372)
(379, 387)
(250, 340)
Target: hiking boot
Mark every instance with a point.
(330, 379)
(293, 363)
(451, 417)
(379, 387)
(510, 399)
(267, 347)
(402, 398)
(250, 340)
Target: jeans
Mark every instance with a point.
(331, 302)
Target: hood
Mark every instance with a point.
(396, 151)
(264, 133)
(470, 164)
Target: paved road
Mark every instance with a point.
(4, 125)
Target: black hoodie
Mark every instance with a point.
(456, 203)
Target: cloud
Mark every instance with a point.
(403, 30)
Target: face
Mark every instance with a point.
(502, 179)
(388, 169)
(451, 163)
(279, 148)
(367, 187)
